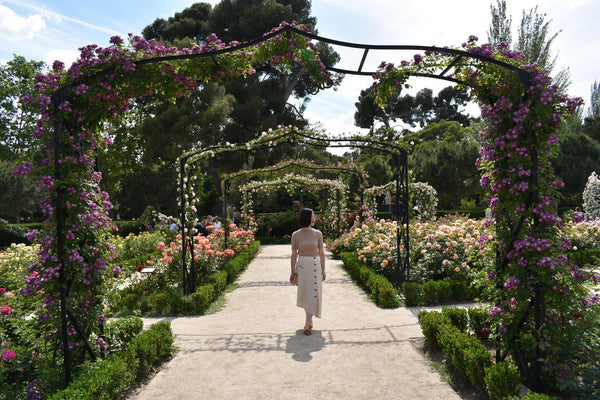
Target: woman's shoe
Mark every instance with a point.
(308, 331)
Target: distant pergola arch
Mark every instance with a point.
(292, 134)
(303, 165)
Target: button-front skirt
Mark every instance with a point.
(310, 284)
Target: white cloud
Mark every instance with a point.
(66, 56)
(14, 27)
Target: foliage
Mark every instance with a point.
(14, 264)
(10, 234)
(534, 39)
(158, 293)
(236, 110)
(444, 156)
(591, 197)
(530, 268)
(502, 381)
(464, 353)
(17, 119)
(76, 105)
(575, 160)
(434, 292)
(422, 109)
(380, 290)
(112, 377)
(18, 195)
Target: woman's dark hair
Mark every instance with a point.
(305, 217)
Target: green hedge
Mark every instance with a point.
(430, 293)
(466, 354)
(111, 378)
(10, 234)
(380, 290)
(171, 301)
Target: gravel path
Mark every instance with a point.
(254, 348)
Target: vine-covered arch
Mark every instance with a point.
(291, 134)
(522, 106)
(293, 165)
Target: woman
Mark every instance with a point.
(308, 264)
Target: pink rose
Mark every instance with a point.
(9, 355)
(6, 310)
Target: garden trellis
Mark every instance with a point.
(293, 165)
(522, 106)
(292, 134)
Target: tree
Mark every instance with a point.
(591, 125)
(444, 156)
(17, 121)
(422, 109)
(18, 195)
(248, 106)
(500, 26)
(261, 100)
(577, 158)
(534, 39)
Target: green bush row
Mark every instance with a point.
(380, 290)
(11, 234)
(112, 377)
(585, 257)
(172, 302)
(431, 293)
(466, 354)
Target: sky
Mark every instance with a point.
(49, 30)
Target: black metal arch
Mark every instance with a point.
(284, 166)
(400, 213)
(61, 94)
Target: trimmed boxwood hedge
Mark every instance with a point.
(171, 301)
(430, 293)
(380, 290)
(110, 378)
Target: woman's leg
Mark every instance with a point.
(308, 324)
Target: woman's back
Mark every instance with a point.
(306, 241)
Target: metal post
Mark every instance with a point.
(58, 209)
(184, 281)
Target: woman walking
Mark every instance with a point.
(308, 267)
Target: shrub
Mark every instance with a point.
(436, 292)
(380, 290)
(466, 354)
(537, 396)
(219, 280)
(118, 333)
(10, 234)
(502, 381)
(203, 296)
(591, 196)
(479, 321)
(111, 378)
(430, 322)
(457, 317)
(413, 294)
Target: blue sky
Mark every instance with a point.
(55, 29)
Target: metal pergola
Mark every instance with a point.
(62, 94)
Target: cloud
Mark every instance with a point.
(14, 27)
(68, 57)
(45, 14)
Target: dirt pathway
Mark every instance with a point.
(254, 347)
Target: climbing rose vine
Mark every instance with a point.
(543, 307)
(75, 105)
